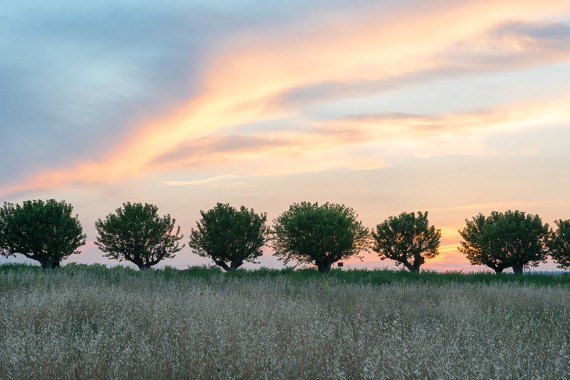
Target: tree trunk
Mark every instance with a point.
(410, 267)
(415, 268)
(223, 265)
(518, 268)
(49, 264)
(235, 265)
(137, 261)
(418, 261)
(323, 266)
(143, 266)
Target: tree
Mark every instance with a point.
(560, 244)
(226, 234)
(137, 233)
(319, 234)
(511, 239)
(45, 231)
(407, 239)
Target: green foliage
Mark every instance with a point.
(29, 276)
(319, 234)
(137, 233)
(45, 231)
(560, 244)
(511, 239)
(226, 234)
(407, 239)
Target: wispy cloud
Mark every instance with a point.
(514, 116)
(507, 47)
(224, 181)
(244, 76)
(393, 134)
(352, 142)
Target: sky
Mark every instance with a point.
(451, 107)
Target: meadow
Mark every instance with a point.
(94, 322)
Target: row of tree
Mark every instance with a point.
(308, 233)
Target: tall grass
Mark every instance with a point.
(94, 322)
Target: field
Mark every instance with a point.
(93, 322)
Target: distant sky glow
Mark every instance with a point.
(386, 106)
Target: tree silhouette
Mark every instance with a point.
(319, 234)
(560, 244)
(229, 236)
(407, 239)
(136, 233)
(45, 231)
(502, 240)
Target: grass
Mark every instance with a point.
(94, 322)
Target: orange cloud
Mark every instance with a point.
(514, 116)
(351, 142)
(247, 71)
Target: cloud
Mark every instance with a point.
(357, 142)
(512, 117)
(196, 82)
(224, 181)
(507, 47)
(365, 141)
(75, 73)
(218, 149)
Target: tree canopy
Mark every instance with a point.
(318, 234)
(229, 236)
(136, 233)
(560, 244)
(45, 231)
(511, 239)
(407, 239)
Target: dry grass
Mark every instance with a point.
(76, 324)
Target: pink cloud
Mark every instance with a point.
(245, 72)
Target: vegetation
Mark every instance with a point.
(226, 234)
(560, 244)
(407, 239)
(137, 233)
(45, 231)
(319, 234)
(307, 233)
(93, 322)
(511, 239)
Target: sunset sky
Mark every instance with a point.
(450, 107)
